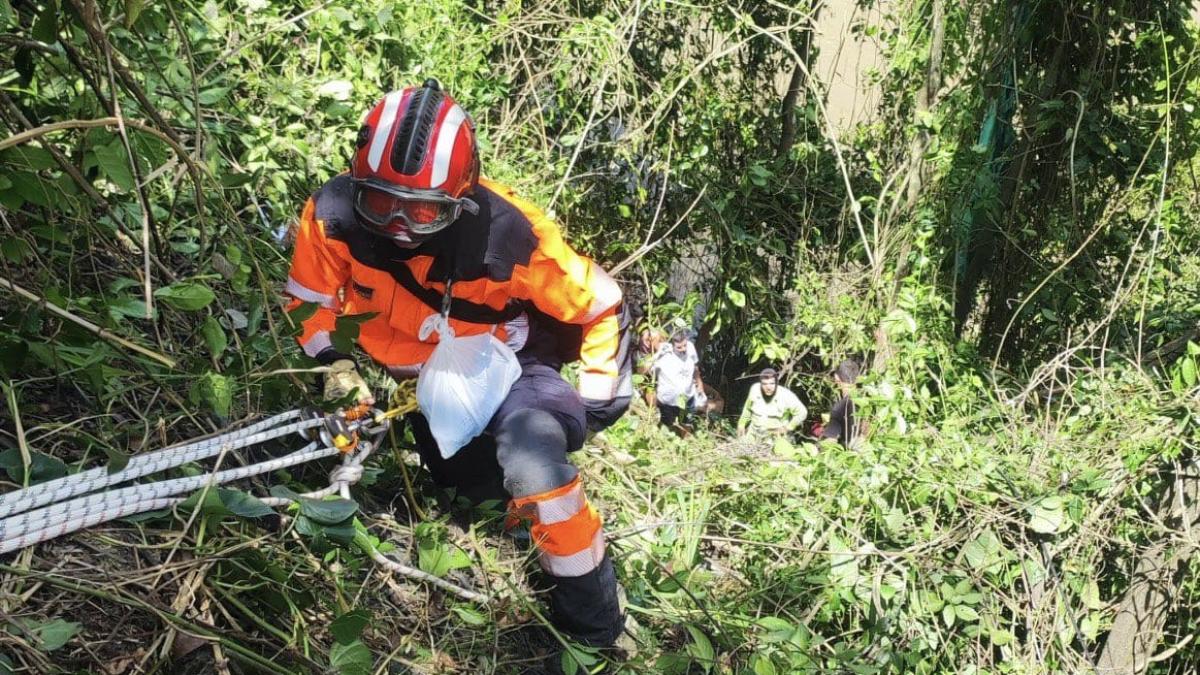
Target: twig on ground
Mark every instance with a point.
(87, 325)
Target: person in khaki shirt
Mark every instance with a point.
(770, 409)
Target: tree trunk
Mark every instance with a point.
(787, 109)
(924, 101)
(1138, 626)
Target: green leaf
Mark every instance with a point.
(45, 28)
(1001, 637)
(186, 295)
(215, 391)
(27, 188)
(948, 615)
(29, 158)
(307, 526)
(133, 9)
(1047, 516)
(211, 504)
(701, 648)
(329, 511)
(966, 613)
(783, 448)
(348, 627)
(117, 460)
(843, 564)
(132, 308)
(338, 90)
(12, 355)
(1090, 594)
(761, 665)
(303, 312)
(243, 504)
(284, 492)
(1187, 370)
(438, 558)
(356, 319)
(736, 297)
(53, 634)
(577, 656)
(779, 631)
(898, 322)
(351, 659)
(233, 180)
(6, 17)
(470, 615)
(213, 95)
(346, 330)
(984, 552)
(113, 160)
(214, 336)
(672, 663)
(15, 249)
(51, 233)
(41, 467)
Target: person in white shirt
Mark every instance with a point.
(770, 408)
(676, 369)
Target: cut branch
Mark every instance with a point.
(87, 325)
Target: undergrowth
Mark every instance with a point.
(1008, 245)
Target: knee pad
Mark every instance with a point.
(531, 446)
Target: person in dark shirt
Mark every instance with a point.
(841, 419)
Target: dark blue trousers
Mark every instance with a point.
(524, 453)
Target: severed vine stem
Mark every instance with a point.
(87, 325)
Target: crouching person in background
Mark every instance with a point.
(770, 409)
(841, 426)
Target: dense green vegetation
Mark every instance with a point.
(1010, 244)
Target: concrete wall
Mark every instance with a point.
(846, 62)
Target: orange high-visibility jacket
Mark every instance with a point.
(508, 265)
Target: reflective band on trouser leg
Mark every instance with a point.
(566, 529)
(575, 564)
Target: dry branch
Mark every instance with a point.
(87, 325)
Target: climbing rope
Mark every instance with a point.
(58, 507)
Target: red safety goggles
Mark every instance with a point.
(400, 212)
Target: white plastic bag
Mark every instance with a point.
(463, 383)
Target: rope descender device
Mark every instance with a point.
(345, 428)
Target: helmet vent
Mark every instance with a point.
(416, 128)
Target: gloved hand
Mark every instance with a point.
(342, 379)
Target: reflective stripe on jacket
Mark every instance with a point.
(510, 268)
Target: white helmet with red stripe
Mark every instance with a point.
(416, 160)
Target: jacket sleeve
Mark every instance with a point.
(795, 413)
(317, 275)
(574, 289)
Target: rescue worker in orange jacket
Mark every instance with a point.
(411, 229)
